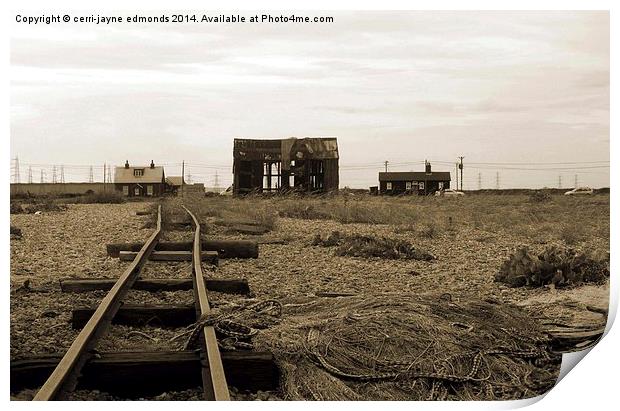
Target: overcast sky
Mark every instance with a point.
(494, 87)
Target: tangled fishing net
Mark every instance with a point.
(406, 347)
(556, 265)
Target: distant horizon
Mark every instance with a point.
(75, 173)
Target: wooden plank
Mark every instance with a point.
(65, 376)
(150, 373)
(209, 256)
(214, 382)
(224, 248)
(222, 285)
(248, 229)
(141, 314)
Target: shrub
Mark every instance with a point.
(109, 197)
(540, 196)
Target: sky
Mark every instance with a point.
(522, 96)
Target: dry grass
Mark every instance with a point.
(569, 220)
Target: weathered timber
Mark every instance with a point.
(232, 223)
(210, 257)
(334, 294)
(222, 285)
(139, 315)
(224, 248)
(141, 374)
(144, 212)
(64, 377)
(249, 229)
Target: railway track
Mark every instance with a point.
(77, 364)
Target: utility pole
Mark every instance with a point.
(183, 179)
(216, 183)
(62, 174)
(456, 175)
(42, 176)
(30, 175)
(16, 178)
(189, 176)
(109, 175)
(560, 181)
(90, 175)
(461, 168)
(497, 180)
(479, 181)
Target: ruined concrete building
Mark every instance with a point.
(301, 164)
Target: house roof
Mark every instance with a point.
(175, 180)
(414, 176)
(151, 175)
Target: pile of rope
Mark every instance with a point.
(234, 324)
(560, 266)
(404, 347)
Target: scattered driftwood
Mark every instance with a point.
(575, 338)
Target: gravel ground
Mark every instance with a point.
(465, 266)
(57, 245)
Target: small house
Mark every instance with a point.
(414, 182)
(140, 181)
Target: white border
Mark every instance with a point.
(591, 384)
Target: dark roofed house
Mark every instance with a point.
(414, 182)
(141, 181)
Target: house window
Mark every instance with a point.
(149, 190)
(138, 172)
(408, 184)
(125, 190)
(421, 185)
(136, 191)
(441, 185)
(388, 185)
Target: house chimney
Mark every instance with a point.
(428, 167)
(152, 164)
(126, 163)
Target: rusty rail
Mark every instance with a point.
(65, 376)
(214, 382)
